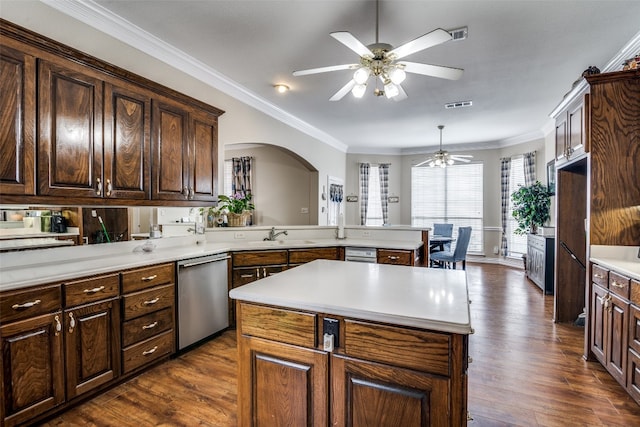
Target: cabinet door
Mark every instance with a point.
(618, 332)
(366, 394)
(561, 137)
(70, 131)
(127, 134)
(92, 346)
(17, 121)
(32, 367)
(170, 176)
(575, 136)
(281, 384)
(598, 323)
(203, 153)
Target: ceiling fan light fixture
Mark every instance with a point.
(280, 88)
(359, 90)
(361, 75)
(391, 90)
(397, 75)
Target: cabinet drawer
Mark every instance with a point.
(275, 324)
(93, 289)
(619, 284)
(300, 256)
(16, 305)
(147, 351)
(147, 326)
(420, 350)
(599, 275)
(537, 242)
(144, 278)
(395, 257)
(144, 302)
(252, 258)
(634, 292)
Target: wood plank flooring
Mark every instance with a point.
(526, 371)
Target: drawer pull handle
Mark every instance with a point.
(58, 325)
(72, 323)
(150, 326)
(149, 278)
(617, 285)
(151, 351)
(246, 276)
(25, 305)
(153, 301)
(598, 276)
(94, 290)
(394, 258)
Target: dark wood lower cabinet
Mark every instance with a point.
(32, 367)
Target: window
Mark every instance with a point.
(374, 205)
(228, 178)
(516, 243)
(451, 195)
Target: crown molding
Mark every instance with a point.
(101, 19)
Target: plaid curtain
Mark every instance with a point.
(529, 161)
(505, 169)
(364, 192)
(383, 172)
(241, 167)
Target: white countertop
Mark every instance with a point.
(23, 269)
(435, 299)
(621, 259)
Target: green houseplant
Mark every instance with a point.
(237, 207)
(531, 207)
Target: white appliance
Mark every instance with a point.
(356, 254)
(203, 307)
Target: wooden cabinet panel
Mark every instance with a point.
(147, 277)
(21, 304)
(561, 137)
(144, 302)
(300, 256)
(619, 284)
(634, 328)
(633, 375)
(70, 130)
(92, 346)
(89, 290)
(281, 384)
(32, 367)
(259, 258)
(145, 327)
(204, 156)
(17, 121)
(366, 394)
(600, 276)
(292, 327)
(127, 139)
(395, 257)
(598, 323)
(618, 332)
(145, 352)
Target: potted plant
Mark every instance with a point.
(238, 208)
(531, 207)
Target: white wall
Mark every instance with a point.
(240, 124)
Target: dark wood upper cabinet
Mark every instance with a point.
(204, 156)
(70, 131)
(17, 121)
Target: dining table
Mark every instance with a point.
(436, 242)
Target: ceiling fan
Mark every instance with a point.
(442, 158)
(382, 61)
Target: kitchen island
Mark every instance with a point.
(342, 343)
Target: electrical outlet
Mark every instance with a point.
(495, 250)
(304, 210)
(238, 235)
(366, 234)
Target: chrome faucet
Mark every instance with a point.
(272, 234)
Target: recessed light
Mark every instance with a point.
(281, 88)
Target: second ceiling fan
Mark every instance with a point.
(381, 61)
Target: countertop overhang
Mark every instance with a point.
(427, 298)
(622, 259)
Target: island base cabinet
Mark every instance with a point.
(32, 367)
(281, 384)
(367, 393)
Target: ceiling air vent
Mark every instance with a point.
(459, 33)
(458, 104)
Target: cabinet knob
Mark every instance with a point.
(109, 188)
(98, 187)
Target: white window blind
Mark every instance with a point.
(516, 243)
(228, 178)
(374, 205)
(451, 195)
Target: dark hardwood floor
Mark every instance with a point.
(526, 371)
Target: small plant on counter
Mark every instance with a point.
(236, 204)
(531, 207)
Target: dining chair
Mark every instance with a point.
(445, 230)
(445, 258)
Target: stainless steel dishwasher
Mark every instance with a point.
(203, 307)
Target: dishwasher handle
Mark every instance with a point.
(199, 261)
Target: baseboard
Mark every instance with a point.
(510, 262)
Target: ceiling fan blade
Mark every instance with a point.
(433, 70)
(425, 41)
(469, 156)
(459, 159)
(424, 162)
(401, 96)
(325, 69)
(342, 92)
(347, 39)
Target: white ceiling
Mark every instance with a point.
(520, 58)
